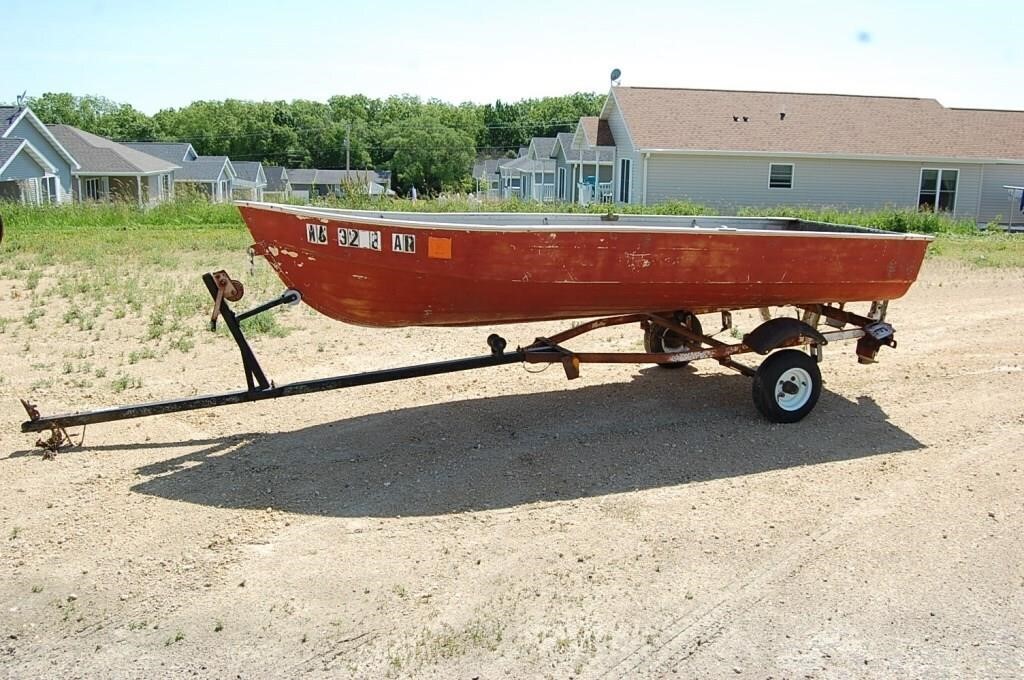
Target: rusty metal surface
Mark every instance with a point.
(871, 333)
(838, 314)
(576, 331)
(228, 290)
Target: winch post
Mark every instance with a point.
(254, 376)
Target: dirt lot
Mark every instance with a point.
(636, 522)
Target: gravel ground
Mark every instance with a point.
(636, 522)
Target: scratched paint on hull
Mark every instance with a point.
(511, 276)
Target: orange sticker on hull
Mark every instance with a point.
(439, 248)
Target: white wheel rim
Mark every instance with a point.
(793, 389)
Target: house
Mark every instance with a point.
(731, 149)
(584, 163)
(175, 152)
(250, 181)
(34, 166)
(571, 166)
(486, 177)
(216, 177)
(509, 176)
(213, 176)
(537, 173)
(310, 183)
(278, 185)
(594, 136)
(302, 181)
(531, 175)
(110, 171)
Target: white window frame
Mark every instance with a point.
(561, 183)
(938, 187)
(97, 184)
(625, 184)
(48, 189)
(792, 176)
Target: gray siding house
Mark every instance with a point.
(584, 162)
(509, 180)
(34, 166)
(733, 149)
(531, 176)
(213, 176)
(250, 180)
(488, 181)
(311, 183)
(538, 173)
(109, 171)
(278, 184)
(175, 152)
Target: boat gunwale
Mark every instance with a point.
(374, 217)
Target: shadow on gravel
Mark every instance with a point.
(663, 429)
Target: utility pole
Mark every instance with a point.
(348, 130)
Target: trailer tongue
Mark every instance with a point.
(786, 384)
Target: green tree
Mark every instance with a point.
(423, 142)
(429, 155)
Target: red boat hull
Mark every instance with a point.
(460, 276)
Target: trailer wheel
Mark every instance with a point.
(787, 386)
(658, 339)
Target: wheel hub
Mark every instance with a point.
(793, 389)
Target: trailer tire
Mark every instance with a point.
(786, 386)
(658, 339)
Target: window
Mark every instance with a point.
(938, 189)
(94, 188)
(780, 176)
(561, 183)
(49, 189)
(165, 186)
(625, 176)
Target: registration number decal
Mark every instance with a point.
(403, 243)
(316, 233)
(358, 238)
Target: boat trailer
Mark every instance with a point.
(786, 384)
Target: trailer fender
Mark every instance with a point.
(778, 332)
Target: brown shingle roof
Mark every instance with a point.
(992, 134)
(661, 118)
(597, 131)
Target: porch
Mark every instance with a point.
(141, 190)
(593, 182)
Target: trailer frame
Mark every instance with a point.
(779, 333)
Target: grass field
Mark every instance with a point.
(162, 235)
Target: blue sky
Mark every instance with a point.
(167, 54)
